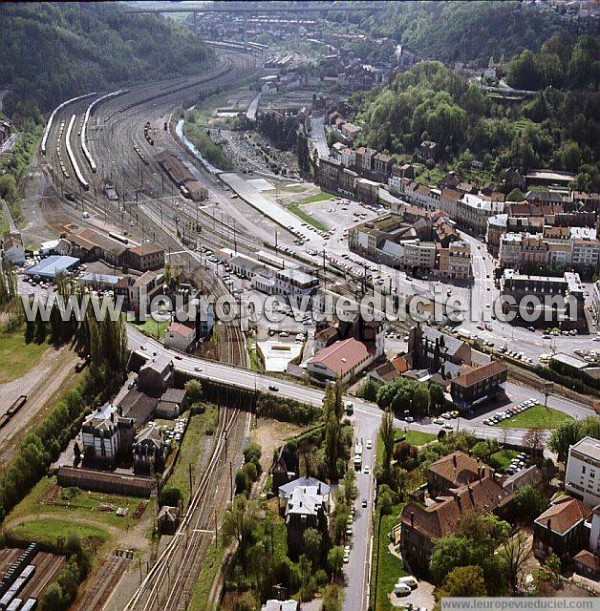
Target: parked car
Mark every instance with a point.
(410, 581)
(273, 388)
(400, 589)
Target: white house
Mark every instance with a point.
(180, 336)
(582, 477)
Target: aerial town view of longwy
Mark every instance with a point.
(300, 305)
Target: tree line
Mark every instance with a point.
(557, 127)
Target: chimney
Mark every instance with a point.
(480, 470)
(319, 488)
(549, 524)
(412, 519)
(471, 494)
(300, 505)
(454, 461)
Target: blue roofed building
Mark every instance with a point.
(52, 266)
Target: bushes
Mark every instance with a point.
(286, 410)
(62, 593)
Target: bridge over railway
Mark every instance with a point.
(275, 7)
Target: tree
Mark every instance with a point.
(303, 153)
(449, 553)
(193, 389)
(333, 598)
(528, 503)
(463, 581)
(311, 540)
(516, 195)
(350, 489)
(553, 565)
(335, 560)
(53, 598)
(566, 434)
(252, 453)
(386, 433)
(421, 400)
(534, 439)
(369, 390)
(385, 499)
(515, 553)
(239, 523)
(436, 396)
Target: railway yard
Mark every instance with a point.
(92, 141)
(122, 170)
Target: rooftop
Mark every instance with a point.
(147, 249)
(52, 266)
(588, 446)
(474, 376)
(563, 514)
(458, 468)
(342, 356)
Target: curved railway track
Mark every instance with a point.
(117, 113)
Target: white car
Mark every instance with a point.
(369, 444)
(366, 470)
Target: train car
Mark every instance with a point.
(15, 605)
(28, 572)
(118, 237)
(6, 600)
(17, 405)
(30, 604)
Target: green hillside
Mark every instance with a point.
(53, 51)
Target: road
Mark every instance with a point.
(366, 419)
(318, 135)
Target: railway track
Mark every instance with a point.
(120, 110)
(106, 579)
(169, 584)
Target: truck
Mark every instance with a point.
(358, 454)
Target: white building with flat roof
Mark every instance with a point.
(292, 281)
(582, 477)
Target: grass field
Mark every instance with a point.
(307, 218)
(189, 451)
(17, 357)
(73, 504)
(317, 197)
(537, 416)
(386, 567)
(416, 438)
(154, 328)
(50, 530)
(502, 458)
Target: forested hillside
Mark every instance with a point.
(468, 32)
(52, 51)
(558, 127)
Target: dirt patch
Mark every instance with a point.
(49, 378)
(270, 435)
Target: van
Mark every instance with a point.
(409, 580)
(401, 589)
